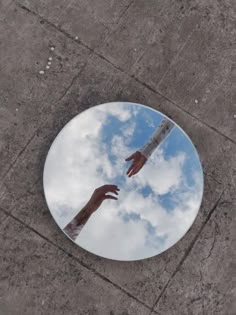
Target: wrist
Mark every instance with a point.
(89, 208)
(83, 216)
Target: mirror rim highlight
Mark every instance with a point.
(117, 104)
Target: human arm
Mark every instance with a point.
(74, 227)
(142, 155)
(159, 135)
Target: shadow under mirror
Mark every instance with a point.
(123, 181)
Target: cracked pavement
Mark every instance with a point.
(175, 56)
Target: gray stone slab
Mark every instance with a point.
(26, 95)
(175, 25)
(3, 216)
(160, 44)
(206, 282)
(24, 196)
(170, 43)
(148, 37)
(215, 150)
(203, 76)
(90, 20)
(39, 278)
(5, 6)
(212, 9)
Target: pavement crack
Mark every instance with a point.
(212, 246)
(128, 74)
(202, 295)
(74, 79)
(212, 177)
(178, 54)
(125, 11)
(17, 157)
(83, 264)
(188, 250)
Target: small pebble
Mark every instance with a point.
(49, 63)
(50, 58)
(76, 37)
(52, 48)
(196, 101)
(17, 109)
(41, 72)
(234, 115)
(47, 67)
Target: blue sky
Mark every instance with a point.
(155, 208)
(149, 120)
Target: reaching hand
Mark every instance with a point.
(100, 194)
(138, 161)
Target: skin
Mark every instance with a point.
(138, 162)
(99, 195)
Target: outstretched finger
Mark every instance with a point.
(109, 188)
(114, 191)
(135, 170)
(131, 157)
(110, 197)
(131, 167)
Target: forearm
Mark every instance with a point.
(74, 227)
(159, 135)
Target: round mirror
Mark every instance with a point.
(123, 181)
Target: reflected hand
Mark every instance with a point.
(138, 161)
(99, 195)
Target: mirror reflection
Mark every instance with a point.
(123, 181)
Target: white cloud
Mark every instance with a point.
(78, 163)
(128, 131)
(119, 110)
(161, 174)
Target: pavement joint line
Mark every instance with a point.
(201, 121)
(35, 132)
(74, 78)
(17, 157)
(178, 53)
(75, 258)
(21, 152)
(185, 111)
(127, 74)
(152, 311)
(131, 76)
(125, 11)
(187, 252)
(203, 225)
(68, 35)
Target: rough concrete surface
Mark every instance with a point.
(176, 56)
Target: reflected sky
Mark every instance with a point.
(155, 208)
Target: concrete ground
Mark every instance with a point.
(178, 56)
